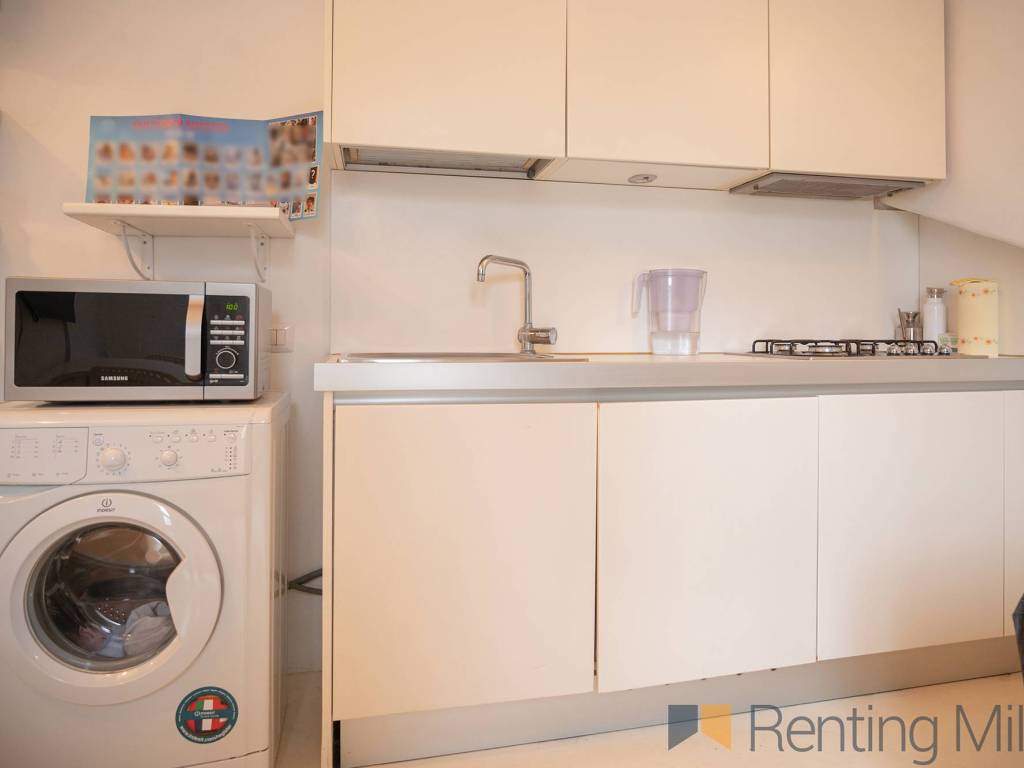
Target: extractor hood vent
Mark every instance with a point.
(445, 163)
(832, 187)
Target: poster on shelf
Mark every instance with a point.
(191, 160)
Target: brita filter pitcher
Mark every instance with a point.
(674, 299)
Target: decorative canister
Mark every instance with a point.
(977, 319)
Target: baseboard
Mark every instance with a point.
(426, 734)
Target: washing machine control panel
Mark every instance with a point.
(43, 456)
(122, 454)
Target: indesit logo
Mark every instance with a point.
(713, 720)
(106, 504)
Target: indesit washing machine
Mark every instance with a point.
(141, 584)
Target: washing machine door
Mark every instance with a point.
(110, 596)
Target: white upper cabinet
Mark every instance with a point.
(910, 545)
(656, 83)
(707, 539)
(461, 76)
(858, 87)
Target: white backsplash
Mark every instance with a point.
(404, 252)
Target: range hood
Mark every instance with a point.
(830, 187)
(438, 162)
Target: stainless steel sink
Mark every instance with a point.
(457, 357)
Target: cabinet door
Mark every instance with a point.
(706, 531)
(858, 87)
(1014, 505)
(455, 75)
(463, 555)
(910, 521)
(670, 82)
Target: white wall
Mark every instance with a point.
(64, 60)
(405, 250)
(985, 115)
(948, 253)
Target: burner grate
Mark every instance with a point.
(844, 347)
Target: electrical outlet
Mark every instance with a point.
(281, 339)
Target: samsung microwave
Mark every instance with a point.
(132, 340)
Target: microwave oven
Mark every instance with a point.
(132, 340)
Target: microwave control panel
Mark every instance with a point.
(228, 324)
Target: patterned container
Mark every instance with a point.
(977, 316)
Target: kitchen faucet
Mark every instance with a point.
(527, 335)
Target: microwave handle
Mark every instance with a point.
(194, 337)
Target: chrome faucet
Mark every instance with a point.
(527, 335)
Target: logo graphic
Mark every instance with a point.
(206, 715)
(106, 502)
(713, 720)
(108, 377)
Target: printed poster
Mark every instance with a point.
(191, 160)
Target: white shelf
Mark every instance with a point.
(145, 223)
(183, 220)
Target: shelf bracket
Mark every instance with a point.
(145, 266)
(260, 245)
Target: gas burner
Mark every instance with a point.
(803, 347)
(847, 348)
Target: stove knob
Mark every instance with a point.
(945, 349)
(226, 359)
(169, 457)
(112, 458)
(894, 350)
(929, 349)
(911, 350)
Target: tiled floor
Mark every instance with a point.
(646, 747)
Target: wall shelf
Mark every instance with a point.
(145, 223)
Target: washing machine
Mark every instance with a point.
(141, 584)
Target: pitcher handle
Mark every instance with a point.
(638, 286)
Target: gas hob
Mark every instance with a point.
(813, 348)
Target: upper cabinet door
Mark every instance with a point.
(858, 87)
(481, 76)
(668, 81)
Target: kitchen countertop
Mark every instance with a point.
(619, 377)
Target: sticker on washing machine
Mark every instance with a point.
(206, 715)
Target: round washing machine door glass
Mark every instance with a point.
(111, 596)
(98, 599)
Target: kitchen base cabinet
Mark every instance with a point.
(1013, 505)
(463, 555)
(910, 521)
(706, 539)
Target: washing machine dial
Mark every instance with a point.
(169, 457)
(113, 458)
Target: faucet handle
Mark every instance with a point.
(530, 335)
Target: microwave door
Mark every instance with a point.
(116, 343)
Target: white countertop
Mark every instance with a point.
(628, 376)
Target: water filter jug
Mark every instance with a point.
(674, 300)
